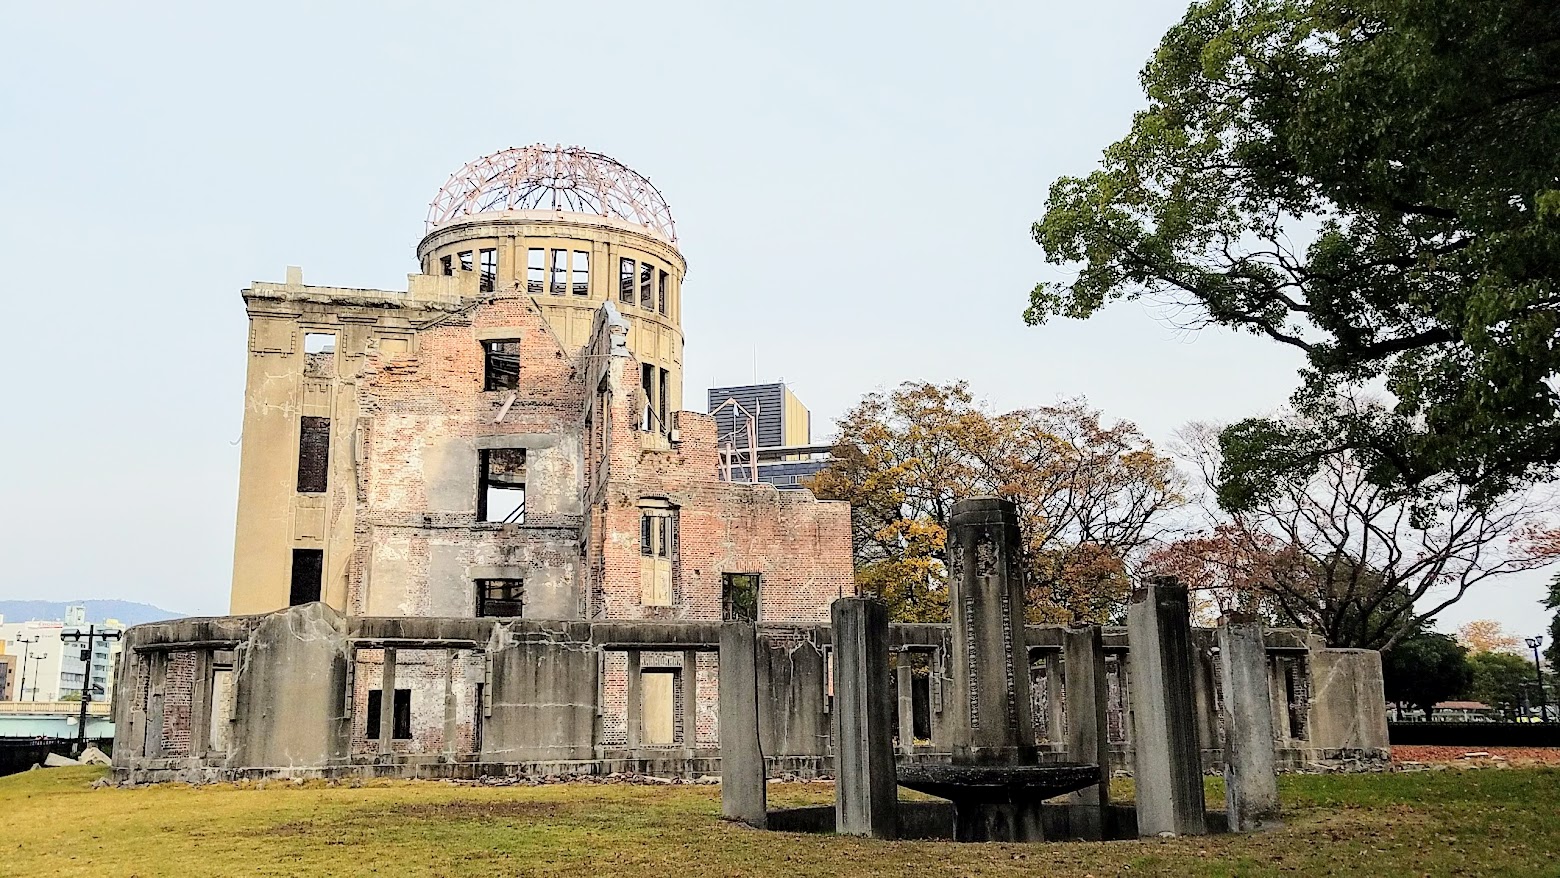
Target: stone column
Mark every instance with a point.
(387, 702)
(992, 723)
(636, 705)
(1250, 782)
(742, 778)
(865, 793)
(1167, 758)
(905, 681)
(1088, 735)
(1055, 718)
(690, 702)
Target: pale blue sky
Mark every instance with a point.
(853, 186)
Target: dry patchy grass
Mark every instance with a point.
(1440, 823)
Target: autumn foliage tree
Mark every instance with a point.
(1487, 635)
(1331, 550)
(1090, 496)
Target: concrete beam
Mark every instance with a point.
(866, 797)
(1168, 760)
(1250, 781)
(743, 793)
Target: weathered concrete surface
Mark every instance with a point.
(992, 713)
(743, 793)
(865, 794)
(1250, 779)
(1088, 734)
(1168, 761)
(1349, 707)
(290, 688)
(543, 696)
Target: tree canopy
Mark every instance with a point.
(1426, 668)
(1090, 496)
(1375, 183)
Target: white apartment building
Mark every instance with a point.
(51, 667)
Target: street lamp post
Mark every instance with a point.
(21, 686)
(77, 636)
(36, 660)
(1538, 677)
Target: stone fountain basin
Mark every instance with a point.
(998, 784)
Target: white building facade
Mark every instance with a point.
(51, 666)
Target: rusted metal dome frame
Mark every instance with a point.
(542, 177)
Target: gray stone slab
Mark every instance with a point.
(1167, 768)
(865, 791)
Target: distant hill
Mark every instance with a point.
(128, 612)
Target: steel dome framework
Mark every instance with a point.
(541, 177)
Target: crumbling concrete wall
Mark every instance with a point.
(290, 691)
(543, 700)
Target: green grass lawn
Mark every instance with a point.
(1488, 822)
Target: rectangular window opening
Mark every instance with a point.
(313, 454)
(501, 485)
(500, 597)
(447, 265)
(535, 270)
(626, 281)
(319, 355)
(657, 550)
(739, 597)
(489, 280)
(660, 398)
(501, 365)
(465, 260)
(662, 289)
(579, 273)
(647, 385)
(401, 715)
(308, 568)
(560, 272)
(645, 272)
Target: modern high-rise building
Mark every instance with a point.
(764, 434)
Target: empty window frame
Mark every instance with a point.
(489, 262)
(660, 399)
(313, 454)
(500, 597)
(465, 260)
(647, 422)
(657, 552)
(501, 364)
(739, 597)
(501, 485)
(535, 271)
(401, 715)
(447, 265)
(626, 281)
(646, 274)
(579, 273)
(661, 289)
(319, 355)
(308, 567)
(560, 273)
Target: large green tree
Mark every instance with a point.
(1375, 183)
(1502, 680)
(1426, 668)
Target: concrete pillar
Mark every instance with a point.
(866, 796)
(1055, 717)
(1167, 758)
(1203, 687)
(905, 680)
(690, 701)
(1250, 781)
(636, 703)
(742, 778)
(200, 705)
(993, 722)
(1088, 735)
(387, 701)
(1278, 687)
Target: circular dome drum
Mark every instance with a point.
(541, 177)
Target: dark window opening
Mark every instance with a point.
(308, 568)
(662, 289)
(500, 597)
(447, 264)
(579, 273)
(313, 454)
(739, 597)
(646, 538)
(645, 273)
(500, 365)
(489, 279)
(626, 280)
(535, 270)
(401, 715)
(465, 260)
(560, 272)
(501, 485)
(660, 398)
